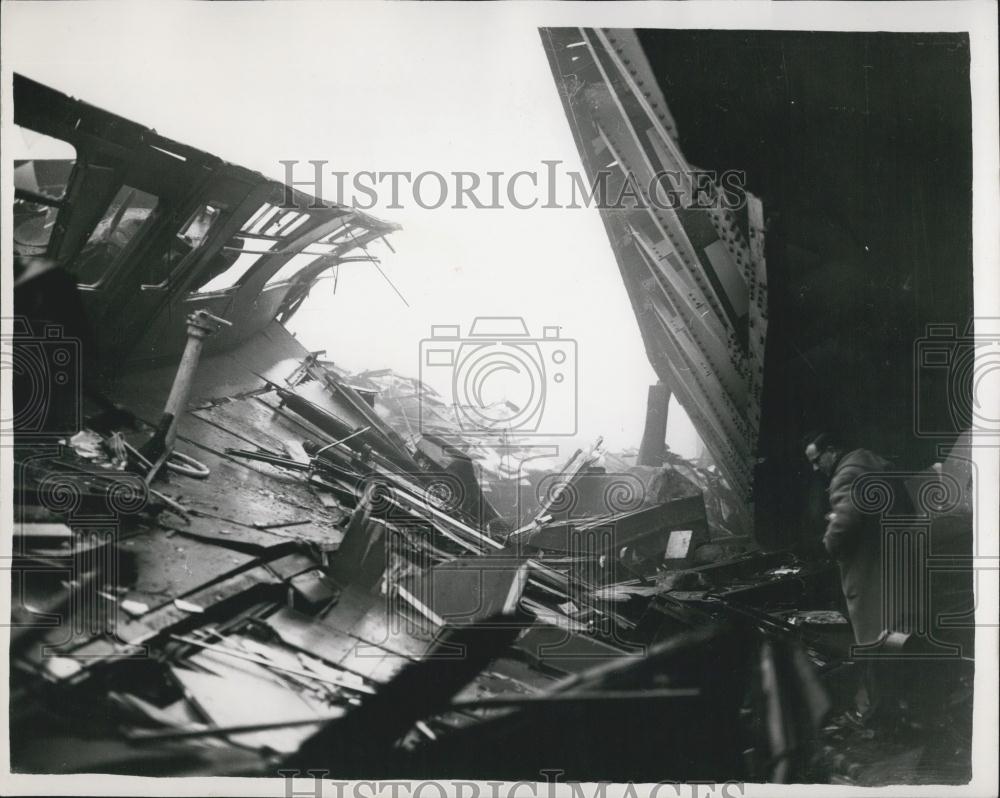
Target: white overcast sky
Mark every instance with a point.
(384, 90)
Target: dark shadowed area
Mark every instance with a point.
(859, 145)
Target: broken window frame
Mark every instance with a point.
(218, 213)
(141, 230)
(268, 227)
(53, 204)
(263, 248)
(273, 221)
(303, 259)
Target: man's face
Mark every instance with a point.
(822, 461)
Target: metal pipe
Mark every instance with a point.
(342, 440)
(200, 325)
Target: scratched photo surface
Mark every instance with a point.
(516, 401)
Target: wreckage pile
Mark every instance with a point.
(386, 619)
(516, 474)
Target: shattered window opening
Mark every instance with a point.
(288, 222)
(199, 225)
(42, 164)
(296, 225)
(189, 238)
(275, 228)
(256, 216)
(251, 250)
(127, 214)
(264, 214)
(33, 226)
(42, 169)
(296, 263)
